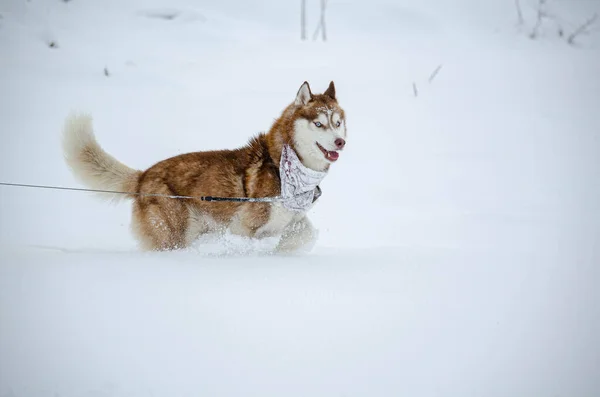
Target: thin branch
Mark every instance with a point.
(434, 73)
(582, 29)
(519, 12)
(303, 19)
(317, 30)
(559, 29)
(541, 14)
(321, 27)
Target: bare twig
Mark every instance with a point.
(316, 33)
(434, 73)
(415, 89)
(321, 27)
(519, 12)
(541, 14)
(559, 30)
(303, 19)
(582, 29)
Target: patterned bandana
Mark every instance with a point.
(299, 184)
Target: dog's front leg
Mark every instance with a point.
(299, 235)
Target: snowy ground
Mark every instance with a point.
(459, 245)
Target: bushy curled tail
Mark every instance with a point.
(90, 164)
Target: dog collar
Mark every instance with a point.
(299, 184)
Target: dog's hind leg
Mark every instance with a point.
(160, 224)
(199, 223)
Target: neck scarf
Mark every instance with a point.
(299, 184)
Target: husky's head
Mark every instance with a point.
(319, 127)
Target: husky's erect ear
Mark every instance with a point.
(304, 95)
(330, 91)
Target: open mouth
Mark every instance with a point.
(330, 155)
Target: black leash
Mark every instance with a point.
(201, 198)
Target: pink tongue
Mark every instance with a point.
(333, 155)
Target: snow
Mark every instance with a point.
(459, 244)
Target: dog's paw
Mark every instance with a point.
(297, 243)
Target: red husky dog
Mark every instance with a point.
(288, 163)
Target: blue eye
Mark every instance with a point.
(318, 124)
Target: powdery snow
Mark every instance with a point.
(459, 245)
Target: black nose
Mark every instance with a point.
(340, 143)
